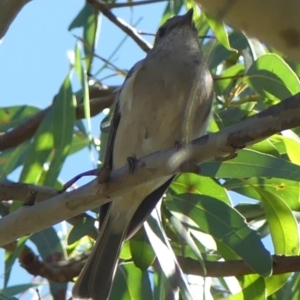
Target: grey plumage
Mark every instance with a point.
(165, 99)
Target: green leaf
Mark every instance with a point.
(200, 21)
(64, 117)
(51, 250)
(250, 211)
(10, 258)
(291, 289)
(285, 189)
(161, 288)
(197, 184)
(125, 251)
(90, 35)
(11, 159)
(82, 75)
(292, 144)
(271, 77)
(47, 243)
(78, 65)
(282, 223)
(63, 123)
(172, 9)
(38, 151)
(219, 53)
(80, 19)
(131, 283)
(266, 146)
(233, 114)
(276, 282)
(250, 163)
(219, 29)
(185, 235)
(79, 142)
(141, 250)
(3, 297)
(82, 228)
(253, 288)
(228, 81)
(166, 257)
(17, 289)
(88, 19)
(226, 225)
(12, 116)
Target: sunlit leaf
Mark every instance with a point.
(282, 223)
(12, 116)
(250, 163)
(131, 283)
(82, 228)
(285, 189)
(271, 77)
(38, 151)
(253, 289)
(193, 183)
(226, 225)
(219, 29)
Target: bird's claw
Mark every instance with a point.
(30, 200)
(132, 163)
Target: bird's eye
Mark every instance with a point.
(161, 32)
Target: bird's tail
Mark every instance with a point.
(96, 278)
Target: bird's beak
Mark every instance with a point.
(187, 19)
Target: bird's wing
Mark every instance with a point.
(108, 157)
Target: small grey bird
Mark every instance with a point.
(166, 99)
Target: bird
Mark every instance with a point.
(165, 100)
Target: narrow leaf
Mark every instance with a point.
(226, 225)
(282, 223)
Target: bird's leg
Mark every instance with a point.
(178, 145)
(30, 200)
(103, 174)
(231, 149)
(132, 163)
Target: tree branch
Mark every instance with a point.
(131, 4)
(54, 271)
(281, 264)
(99, 99)
(276, 22)
(160, 164)
(65, 271)
(22, 191)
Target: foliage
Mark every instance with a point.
(202, 216)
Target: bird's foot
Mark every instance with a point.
(132, 163)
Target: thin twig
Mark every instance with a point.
(130, 4)
(228, 77)
(145, 33)
(129, 30)
(100, 57)
(68, 184)
(281, 264)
